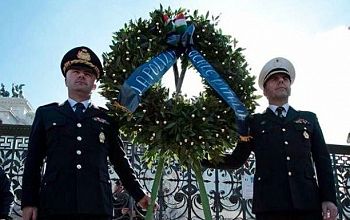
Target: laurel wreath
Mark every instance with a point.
(182, 128)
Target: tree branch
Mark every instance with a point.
(176, 74)
(182, 76)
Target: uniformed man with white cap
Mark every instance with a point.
(294, 178)
(75, 138)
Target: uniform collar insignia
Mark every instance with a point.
(301, 121)
(103, 121)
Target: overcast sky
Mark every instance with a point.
(313, 34)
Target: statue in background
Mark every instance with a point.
(17, 91)
(20, 91)
(3, 92)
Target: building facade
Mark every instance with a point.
(15, 110)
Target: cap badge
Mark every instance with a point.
(83, 54)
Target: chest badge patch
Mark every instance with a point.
(102, 137)
(101, 120)
(302, 121)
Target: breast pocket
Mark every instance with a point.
(55, 129)
(262, 138)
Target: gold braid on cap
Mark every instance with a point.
(71, 62)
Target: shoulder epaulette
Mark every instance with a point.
(307, 113)
(256, 115)
(50, 104)
(102, 109)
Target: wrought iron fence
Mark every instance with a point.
(178, 194)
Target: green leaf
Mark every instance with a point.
(170, 125)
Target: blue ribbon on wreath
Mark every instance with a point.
(143, 78)
(152, 71)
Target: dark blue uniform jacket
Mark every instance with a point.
(293, 166)
(76, 178)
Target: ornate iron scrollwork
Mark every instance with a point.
(178, 194)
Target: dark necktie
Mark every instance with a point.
(79, 109)
(279, 111)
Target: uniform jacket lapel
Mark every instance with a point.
(291, 115)
(91, 111)
(271, 116)
(67, 110)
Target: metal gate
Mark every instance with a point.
(178, 195)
